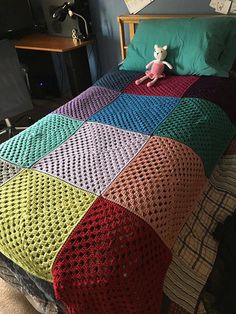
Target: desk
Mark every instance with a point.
(74, 55)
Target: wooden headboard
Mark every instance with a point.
(133, 20)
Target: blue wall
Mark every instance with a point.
(104, 13)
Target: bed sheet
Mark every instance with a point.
(96, 197)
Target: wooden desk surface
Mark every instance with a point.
(45, 42)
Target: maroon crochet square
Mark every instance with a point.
(112, 263)
(220, 91)
(231, 150)
(172, 85)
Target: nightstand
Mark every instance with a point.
(74, 55)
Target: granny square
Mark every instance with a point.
(136, 113)
(7, 171)
(93, 156)
(38, 140)
(88, 102)
(37, 213)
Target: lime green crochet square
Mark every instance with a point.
(37, 214)
(38, 140)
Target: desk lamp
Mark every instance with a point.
(61, 12)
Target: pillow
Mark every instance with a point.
(195, 45)
(228, 56)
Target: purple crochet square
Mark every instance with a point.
(93, 156)
(88, 103)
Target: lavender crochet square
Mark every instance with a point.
(93, 156)
(88, 103)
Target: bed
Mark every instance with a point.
(108, 204)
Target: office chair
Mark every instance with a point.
(14, 93)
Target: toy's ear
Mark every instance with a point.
(156, 47)
(165, 47)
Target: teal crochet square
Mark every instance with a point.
(35, 142)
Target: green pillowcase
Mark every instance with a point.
(228, 56)
(195, 45)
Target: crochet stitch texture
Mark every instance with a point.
(93, 196)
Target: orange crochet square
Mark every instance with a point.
(161, 185)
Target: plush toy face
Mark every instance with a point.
(160, 53)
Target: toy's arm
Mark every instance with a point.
(167, 64)
(149, 64)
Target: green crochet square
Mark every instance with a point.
(201, 125)
(38, 140)
(37, 214)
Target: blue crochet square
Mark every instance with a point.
(137, 113)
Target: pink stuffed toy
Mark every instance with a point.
(157, 66)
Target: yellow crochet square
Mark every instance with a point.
(37, 214)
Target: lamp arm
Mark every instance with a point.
(71, 13)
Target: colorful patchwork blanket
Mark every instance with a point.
(96, 196)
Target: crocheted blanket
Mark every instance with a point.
(94, 195)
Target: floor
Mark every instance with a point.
(12, 301)
(41, 108)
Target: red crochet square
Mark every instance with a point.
(232, 148)
(112, 263)
(172, 85)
